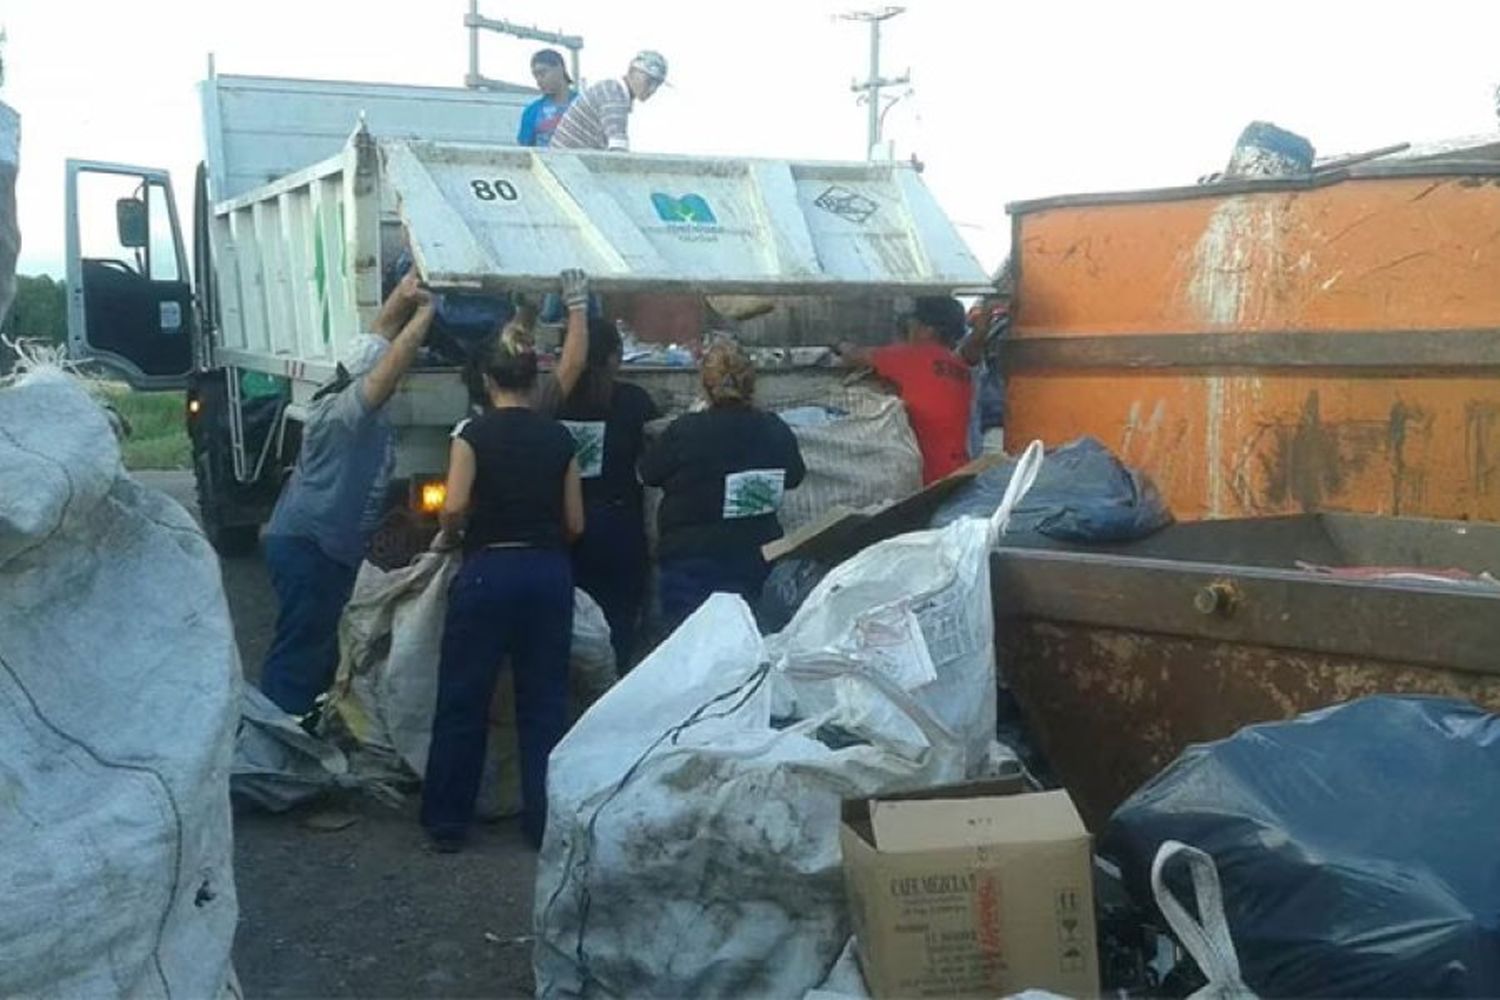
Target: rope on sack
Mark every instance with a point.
(1206, 938)
(581, 850)
(1021, 481)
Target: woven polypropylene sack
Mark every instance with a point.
(865, 454)
(118, 678)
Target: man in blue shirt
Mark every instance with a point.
(541, 116)
(325, 514)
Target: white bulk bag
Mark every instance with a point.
(693, 812)
(118, 674)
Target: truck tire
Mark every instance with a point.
(229, 540)
(231, 512)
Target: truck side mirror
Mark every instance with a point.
(130, 223)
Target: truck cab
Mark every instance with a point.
(143, 302)
(130, 296)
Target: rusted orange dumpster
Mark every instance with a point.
(1121, 656)
(1273, 346)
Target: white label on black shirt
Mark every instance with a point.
(588, 438)
(753, 492)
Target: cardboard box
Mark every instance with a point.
(971, 890)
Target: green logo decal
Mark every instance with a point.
(690, 208)
(588, 443)
(753, 492)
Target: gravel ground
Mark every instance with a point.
(365, 911)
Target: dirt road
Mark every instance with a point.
(365, 911)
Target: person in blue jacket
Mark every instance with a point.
(541, 116)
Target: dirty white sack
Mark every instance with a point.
(693, 812)
(118, 669)
(390, 641)
(277, 764)
(10, 233)
(845, 981)
(918, 609)
(865, 454)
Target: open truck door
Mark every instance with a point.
(130, 299)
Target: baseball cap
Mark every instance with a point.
(652, 63)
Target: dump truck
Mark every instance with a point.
(311, 190)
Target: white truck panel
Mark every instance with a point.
(484, 216)
(259, 129)
(299, 259)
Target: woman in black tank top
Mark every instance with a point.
(515, 500)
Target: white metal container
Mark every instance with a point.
(299, 260)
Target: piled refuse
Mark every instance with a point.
(692, 844)
(1083, 493)
(1354, 844)
(859, 450)
(386, 689)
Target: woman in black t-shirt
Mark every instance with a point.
(607, 419)
(723, 473)
(515, 498)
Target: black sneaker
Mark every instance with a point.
(311, 720)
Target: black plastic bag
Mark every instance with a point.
(1083, 494)
(787, 586)
(1356, 845)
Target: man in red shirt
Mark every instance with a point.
(934, 382)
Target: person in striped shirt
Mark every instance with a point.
(600, 117)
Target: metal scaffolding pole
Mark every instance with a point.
(477, 23)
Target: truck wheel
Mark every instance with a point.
(228, 540)
(233, 540)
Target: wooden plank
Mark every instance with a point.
(1429, 351)
(840, 533)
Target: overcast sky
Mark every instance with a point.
(1009, 100)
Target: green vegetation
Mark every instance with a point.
(40, 310)
(158, 433)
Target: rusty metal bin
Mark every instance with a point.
(1122, 657)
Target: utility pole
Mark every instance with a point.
(871, 87)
